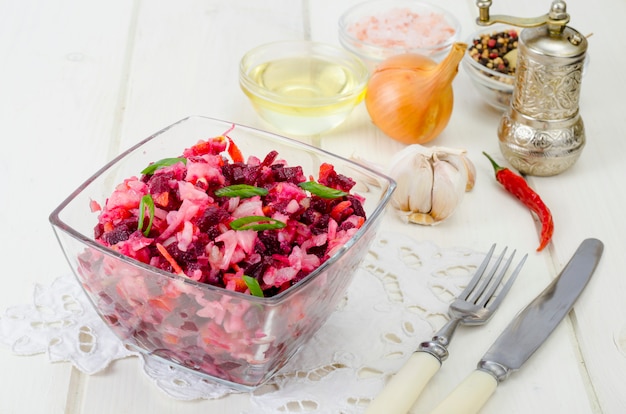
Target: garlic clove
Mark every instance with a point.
(470, 170)
(448, 189)
(420, 185)
(414, 177)
(462, 163)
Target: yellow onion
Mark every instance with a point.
(409, 97)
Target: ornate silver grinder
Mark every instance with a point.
(542, 133)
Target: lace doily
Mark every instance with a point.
(401, 294)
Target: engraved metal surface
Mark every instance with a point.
(547, 92)
(540, 148)
(542, 132)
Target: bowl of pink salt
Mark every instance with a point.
(377, 29)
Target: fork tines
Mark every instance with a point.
(481, 295)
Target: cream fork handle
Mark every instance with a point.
(470, 395)
(406, 385)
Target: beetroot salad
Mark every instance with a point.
(254, 226)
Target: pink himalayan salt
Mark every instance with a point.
(403, 29)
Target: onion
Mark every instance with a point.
(409, 97)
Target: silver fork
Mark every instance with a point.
(474, 306)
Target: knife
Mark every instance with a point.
(525, 333)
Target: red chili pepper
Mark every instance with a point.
(517, 186)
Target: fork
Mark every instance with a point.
(474, 306)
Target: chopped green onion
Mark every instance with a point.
(253, 286)
(321, 190)
(257, 223)
(165, 162)
(146, 201)
(240, 190)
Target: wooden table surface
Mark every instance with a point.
(82, 80)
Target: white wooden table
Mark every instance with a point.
(82, 80)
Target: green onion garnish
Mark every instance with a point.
(321, 190)
(146, 201)
(253, 285)
(257, 223)
(240, 190)
(165, 162)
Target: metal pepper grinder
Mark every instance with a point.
(542, 133)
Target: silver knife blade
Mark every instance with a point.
(536, 322)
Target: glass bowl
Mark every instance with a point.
(494, 87)
(378, 29)
(231, 337)
(302, 87)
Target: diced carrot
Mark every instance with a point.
(177, 269)
(162, 199)
(235, 282)
(234, 151)
(340, 209)
(170, 339)
(161, 304)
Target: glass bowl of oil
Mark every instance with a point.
(302, 87)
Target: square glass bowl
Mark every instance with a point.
(233, 338)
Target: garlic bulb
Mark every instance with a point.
(431, 182)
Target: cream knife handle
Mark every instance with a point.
(470, 395)
(406, 385)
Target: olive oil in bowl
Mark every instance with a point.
(303, 88)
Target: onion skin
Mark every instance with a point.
(409, 97)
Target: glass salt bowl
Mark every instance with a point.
(378, 29)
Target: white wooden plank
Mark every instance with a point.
(60, 74)
(587, 201)
(186, 59)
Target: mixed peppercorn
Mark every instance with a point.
(490, 50)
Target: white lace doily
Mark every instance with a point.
(401, 294)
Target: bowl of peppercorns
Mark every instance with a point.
(490, 61)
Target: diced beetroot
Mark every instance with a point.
(121, 232)
(330, 178)
(269, 158)
(289, 174)
(357, 207)
(211, 217)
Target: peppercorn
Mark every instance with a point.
(489, 50)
